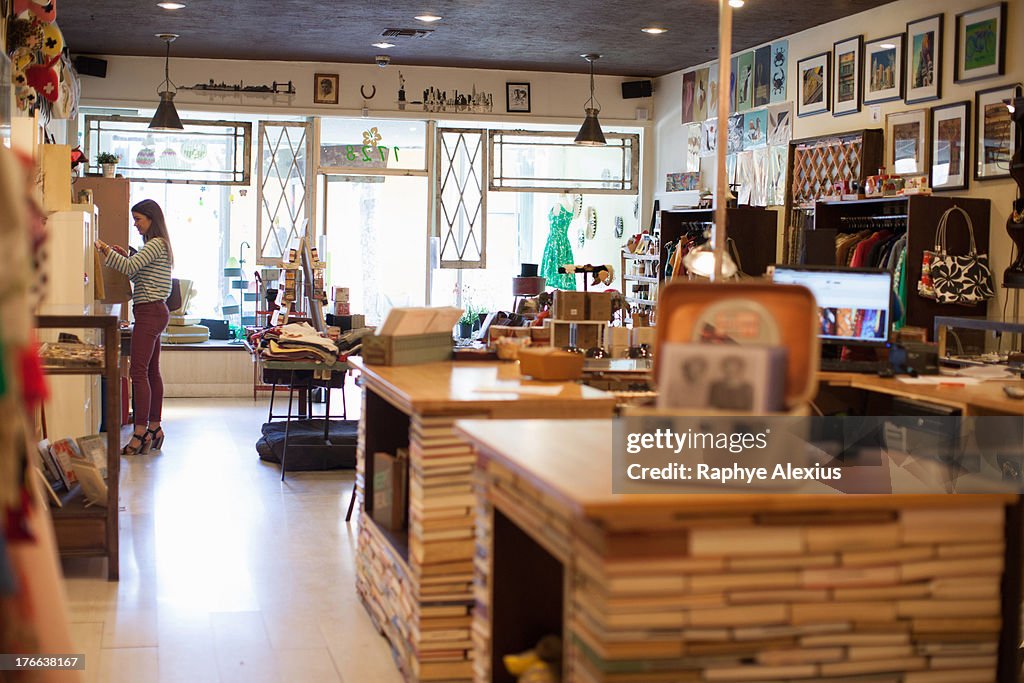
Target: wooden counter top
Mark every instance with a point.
(451, 386)
(987, 396)
(572, 463)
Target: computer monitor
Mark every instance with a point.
(853, 303)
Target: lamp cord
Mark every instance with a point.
(167, 69)
(592, 103)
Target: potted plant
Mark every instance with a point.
(469, 317)
(108, 162)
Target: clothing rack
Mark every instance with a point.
(894, 222)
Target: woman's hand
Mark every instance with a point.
(102, 247)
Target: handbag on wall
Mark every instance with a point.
(948, 279)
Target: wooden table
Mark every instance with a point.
(718, 587)
(986, 398)
(417, 582)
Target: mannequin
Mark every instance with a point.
(557, 249)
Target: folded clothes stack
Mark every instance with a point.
(298, 342)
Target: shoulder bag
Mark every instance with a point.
(949, 279)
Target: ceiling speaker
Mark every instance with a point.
(633, 89)
(90, 66)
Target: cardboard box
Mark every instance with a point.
(340, 294)
(570, 305)
(390, 473)
(540, 336)
(644, 335)
(599, 306)
(342, 308)
(616, 337)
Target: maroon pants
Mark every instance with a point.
(147, 385)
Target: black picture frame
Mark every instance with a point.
(968, 133)
(958, 75)
(858, 77)
(517, 98)
(826, 100)
(899, 40)
(908, 61)
(1002, 92)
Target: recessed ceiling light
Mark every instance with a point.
(654, 30)
(888, 46)
(429, 18)
(736, 3)
(383, 46)
(171, 5)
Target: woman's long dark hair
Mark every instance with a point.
(158, 226)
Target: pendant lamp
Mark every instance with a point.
(590, 132)
(166, 116)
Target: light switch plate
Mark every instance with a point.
(876, 114)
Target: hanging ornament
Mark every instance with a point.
(194, 150)
(168, 158)
(620, 227)
(146, 157)
(231, 197)
(581, 237)
(591, 223)
(577, 206)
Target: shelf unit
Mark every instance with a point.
(923, 213)
(92, 531)
(754, 231)
(640, 269)
(417, 582)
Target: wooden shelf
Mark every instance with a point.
(640, 278)
(93, 531)
(640, 257)
(61, 370)
(645, 302)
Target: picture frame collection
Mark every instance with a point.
(908, 67)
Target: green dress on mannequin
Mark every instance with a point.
(557, 250)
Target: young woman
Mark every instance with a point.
(150, 272)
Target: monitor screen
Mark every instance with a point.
(853, 304)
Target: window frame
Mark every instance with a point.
(630, 160)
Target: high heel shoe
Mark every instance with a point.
(156, 438)
(145, 443)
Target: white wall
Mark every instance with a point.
(670, 140)
(133, 81)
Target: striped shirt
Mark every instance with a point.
(149, 270)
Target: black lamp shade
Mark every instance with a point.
(166, 116)
(590, 132)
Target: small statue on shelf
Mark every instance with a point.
(542, 664)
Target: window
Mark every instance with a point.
(206, 152)
(284, 192)
(462, 209)
(549, 161)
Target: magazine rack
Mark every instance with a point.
(92, 531)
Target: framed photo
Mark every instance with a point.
(813, 81)
(883, 69)
(924, 59)
(325, 88)
(846, 85)
(981, 43)
(906, 135)
(951, 125)
(517, 97)
(993, 133)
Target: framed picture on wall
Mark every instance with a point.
(906, 135)
(981, 43)
(846, 83)
(951, 126)
(813, 81)
(924, 59)
(745, 82)
(517, 98)
(883, 70)
(325, 88)
(993, 133)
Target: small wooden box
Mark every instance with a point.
(550, 364)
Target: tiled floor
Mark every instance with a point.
(227, 574)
